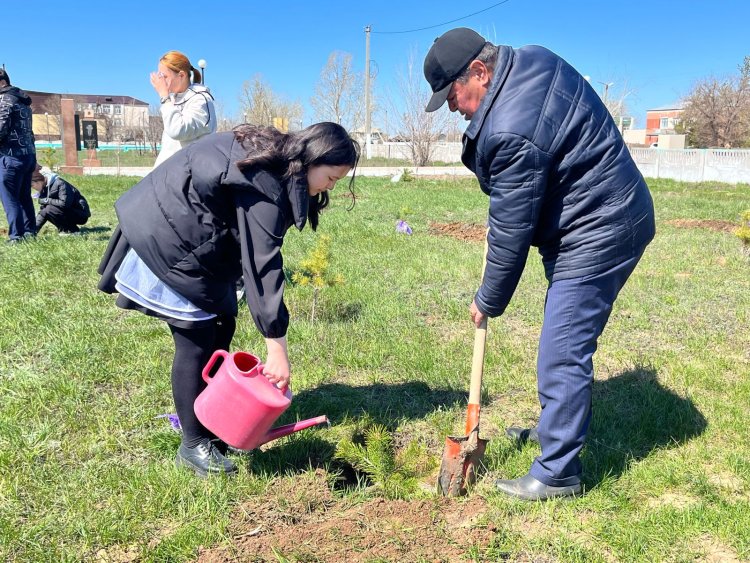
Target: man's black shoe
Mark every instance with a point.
(204, 459)
(522, 435)
(528, 488)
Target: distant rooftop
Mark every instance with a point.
(40, 99)
(673, 107)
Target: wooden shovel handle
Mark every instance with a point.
(477, 363)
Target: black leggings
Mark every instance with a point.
(193, 349)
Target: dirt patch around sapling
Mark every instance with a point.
(717, 225)
(302, 520)
(461, 231)
(476, 233)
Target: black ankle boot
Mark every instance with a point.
(225, 448)
(205, 459)
(522, 435)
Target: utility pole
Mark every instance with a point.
(368, 125)
(606, 90)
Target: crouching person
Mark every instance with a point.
(60, 202)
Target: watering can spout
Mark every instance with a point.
(281, 431)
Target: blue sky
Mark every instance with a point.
(655, 50)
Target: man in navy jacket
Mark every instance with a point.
(559, 177)
(17, 159)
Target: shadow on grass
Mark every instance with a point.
(95, 230)
(97, 233)
(633, 415)
(385, 404)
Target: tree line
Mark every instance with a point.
(716, 112)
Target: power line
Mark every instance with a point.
(441, 24)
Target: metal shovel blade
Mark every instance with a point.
(458, 469)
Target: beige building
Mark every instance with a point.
(118, 117)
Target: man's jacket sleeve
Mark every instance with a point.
(6, 106)
(518, 173)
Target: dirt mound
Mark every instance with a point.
(306, 523)
(461, 231)
(710, 224)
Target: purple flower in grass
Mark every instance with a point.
(403, 227)
(174, 420)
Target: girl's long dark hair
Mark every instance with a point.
(292, 154)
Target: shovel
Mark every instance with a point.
(462, 454)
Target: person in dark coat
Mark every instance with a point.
(559, 177)
(60, 202)
(17, 159)
(217, 211)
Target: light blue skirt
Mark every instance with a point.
(139, 284)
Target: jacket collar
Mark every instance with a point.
(296, 188)
(502, 68)
(193, 89)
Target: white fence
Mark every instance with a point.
(688, 165)
(695, 165)
(442, 151)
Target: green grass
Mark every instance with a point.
(142, 157)
(145, 158)
(85, 467)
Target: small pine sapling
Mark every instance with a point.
(394, 474)
(314, 271)
(407, 176)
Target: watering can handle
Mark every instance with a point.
(206, 370)
(283, 390)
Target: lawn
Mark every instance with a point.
(86, 467)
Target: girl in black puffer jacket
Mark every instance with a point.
(215, 212)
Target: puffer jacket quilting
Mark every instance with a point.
(558, 174)
(16, 133)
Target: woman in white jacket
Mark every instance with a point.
(187, 107)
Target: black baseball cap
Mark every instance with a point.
(448, 57)
(4, 75)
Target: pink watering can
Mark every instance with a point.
(239, 404)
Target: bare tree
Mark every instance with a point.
(339, 92)
(52, 107)
(225, 122)
(107, 125)
(615, 101)
(260, 105)
(717, 111)
(153, 129)
(420, 130)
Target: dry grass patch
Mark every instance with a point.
(336, 531)
(676, 500)
(717, 225)
(460, 231)
(711, 550)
